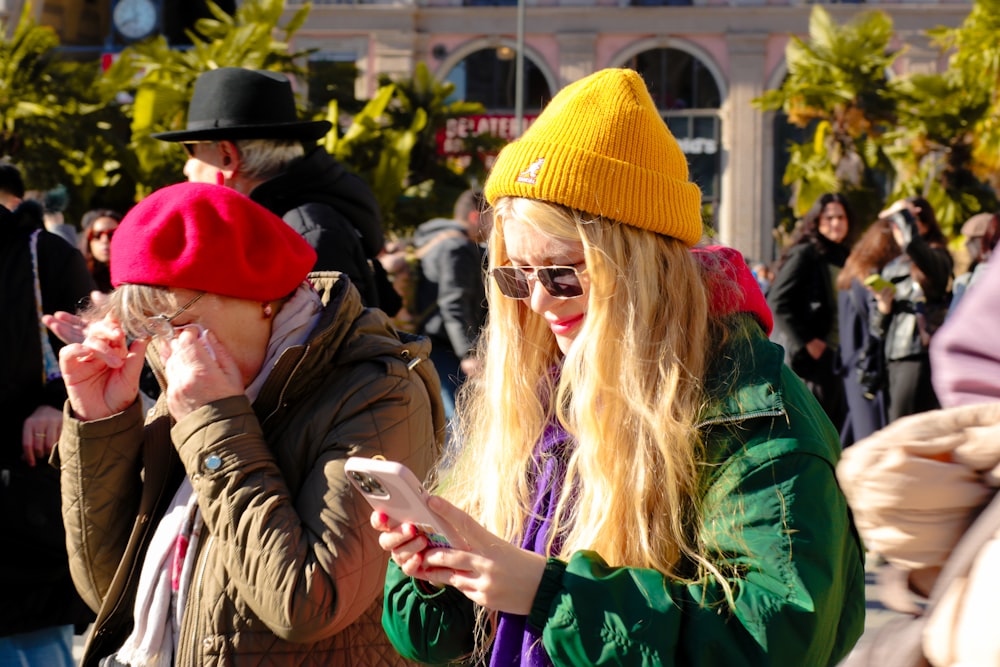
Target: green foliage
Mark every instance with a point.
(378, 150)
(972, 79)
(432, 184)
(934, 135)
(96, 126)
(51, 124)
(160, 79)
(837, 81)
(931, 150)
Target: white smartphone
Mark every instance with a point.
(392, 488)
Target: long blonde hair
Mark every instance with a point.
(628, 392)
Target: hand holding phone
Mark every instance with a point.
(878, 283)
(393, 489)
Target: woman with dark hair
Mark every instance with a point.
(99, 226)
(861, 354)
(804, 304)
(910, 311)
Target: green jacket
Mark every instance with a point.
(772, 513)
(289, 571)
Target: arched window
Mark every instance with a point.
(488, 76)
(688, 97)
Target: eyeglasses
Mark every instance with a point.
(104, 235)
(189, 146)
(561, 282)
(160, 326)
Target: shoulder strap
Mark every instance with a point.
(50, 362)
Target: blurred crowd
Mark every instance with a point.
(857, 304)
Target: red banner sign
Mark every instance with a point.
(451, 139)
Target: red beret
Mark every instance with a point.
(209, 238)
(732, 287)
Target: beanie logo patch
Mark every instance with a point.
(530, 175)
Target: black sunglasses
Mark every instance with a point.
(561, 282)
(189, 146)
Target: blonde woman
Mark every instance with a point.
(641, 480)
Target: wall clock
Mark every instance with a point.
(135, 19)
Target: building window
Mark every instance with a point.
(487, 76)
(676, 79)
(661, 3)
(332, 76)
(688, 99)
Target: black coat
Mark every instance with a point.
(35, 588)
(802, 298)
(334, 210)
(859, 349)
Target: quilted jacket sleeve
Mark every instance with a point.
(297, 547)
(434, 628)
(788, 552)
(796, 578)
(100, 478)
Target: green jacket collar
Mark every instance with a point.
(744, 380)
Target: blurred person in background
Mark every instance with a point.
(981, 233)
(909, 311)
(243, 132)
(450, 298)
(862, 357)
(39, 274)
(804, 300)
(54, 203)
(99, 226)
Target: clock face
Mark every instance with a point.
(134, 19)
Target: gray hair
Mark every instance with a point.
(263, 159)
(133, 304)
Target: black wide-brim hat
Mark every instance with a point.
(234, 103)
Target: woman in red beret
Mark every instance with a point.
(219, 528)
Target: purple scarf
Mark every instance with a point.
(515, 642)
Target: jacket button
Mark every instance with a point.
(213, 462)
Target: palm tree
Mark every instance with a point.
(974, 76)
(51, 122)
(158, 80)
(837, 83)
(932, 149)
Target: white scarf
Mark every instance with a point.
(166, 571)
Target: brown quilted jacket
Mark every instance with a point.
(288, 570)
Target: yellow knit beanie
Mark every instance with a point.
(601, 147)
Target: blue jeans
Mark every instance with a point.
(449, 370)
(48, 647)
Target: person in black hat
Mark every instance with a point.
(243, 132)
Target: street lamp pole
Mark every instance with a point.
(519, 72)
